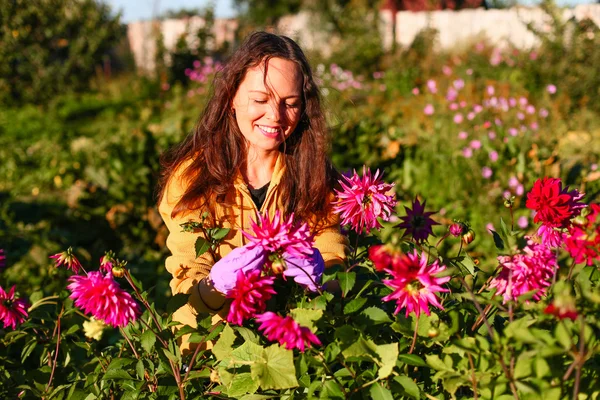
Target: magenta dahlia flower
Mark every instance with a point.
(415, 284)
(362, 200)
(532, 269)
(68, 259)
(107, 261)
(12, 311)
(281, 236)
(417, 223)
(286, 331)
(249, 296)
(102, 297)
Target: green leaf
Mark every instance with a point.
(176, 302)
(497, 240)
(410, 387)
(242, 384)
(223, 347)
(388, 353)
(542, 368)
(219, 233)
(563, 335)
(247, 334)
(377, 315)
(378, 392)
(307, 317)
(436, 363)
(331, 390)
(354, 305)
(347, 281)
(276, 370)
(171, 356)
(412, 359)
(139, 369)
(119, 363)
(247, 354)
(147, 340)
(116, 374)
(362, 348)
(202, 246)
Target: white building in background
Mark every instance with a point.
(502, 27)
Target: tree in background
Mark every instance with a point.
(52, 46)
(266, 13)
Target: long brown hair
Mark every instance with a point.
(217, 148)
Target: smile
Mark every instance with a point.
(270, 131)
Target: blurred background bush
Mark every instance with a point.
(82, 126)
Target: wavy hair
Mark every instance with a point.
(216, 149)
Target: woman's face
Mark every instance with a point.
(268, 114)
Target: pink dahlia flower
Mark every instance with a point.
(362, 200)
(286, 331)
(102, 297)
(12, 311)
(583, 242)
(280, 235)
(249, 296)
(417, 222)
(107, 262)
(532, 269)
(68, 259)
(415, 284)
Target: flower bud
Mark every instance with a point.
(433, 332)
(456, 229)
(468, 237)
(277, 266)
(118, 271)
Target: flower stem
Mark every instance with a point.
(473, 378)
(56, 349)
(580, 359)
(198, 349)
(326, 367)
(414, 340)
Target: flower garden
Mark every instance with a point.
(470, 198)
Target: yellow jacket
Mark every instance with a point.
(187, 270)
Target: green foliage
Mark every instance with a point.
(49, 47)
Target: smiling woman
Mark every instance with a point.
(259, 149)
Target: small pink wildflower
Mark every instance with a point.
(249, 296)
(475, 144)
(522, 222)
(286, 331)
(543, 113)
(492, 135)
(471, 116)
(534, 126)
(490, 90)
(458, 118)
(362, 200)
(68, 259)
(432, 86)
(530, 109)
(453, 106)
(417, 222)
(477, 108)
(446, 70)
(467, 152)
(416, 91)
(469, 72)
(13, 311)
(486, 172)
(551, 89)
(415, 284)
(520, 116)
(532, 269)
(462, 135)
(101, 296)
(513, 132)
(428, 110)
(280, 235)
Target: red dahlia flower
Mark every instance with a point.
(281, 236)
(553, 204)
(249, 296)
(583, 242)
(12, 311)
(286, 331)
(68, 259)
(362, 200)
(384, 256)
(417, 222)
(532, 269)
(415, 284)
(562, 311)
(101, 296)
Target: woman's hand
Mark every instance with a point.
(306, 272)
(223, 273)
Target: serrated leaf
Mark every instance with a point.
(247, 334)
(410, 387)
(354, 305)
(377, 315)
(307, 317)
(147, 340)
(242, 384)
(378, 392)
(219, 233)
(276, 370)
(347, 281)
(171, 356)
(202, 245)
(388, 353)
(247, 353)
(223, 347)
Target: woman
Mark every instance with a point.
(260, 146)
